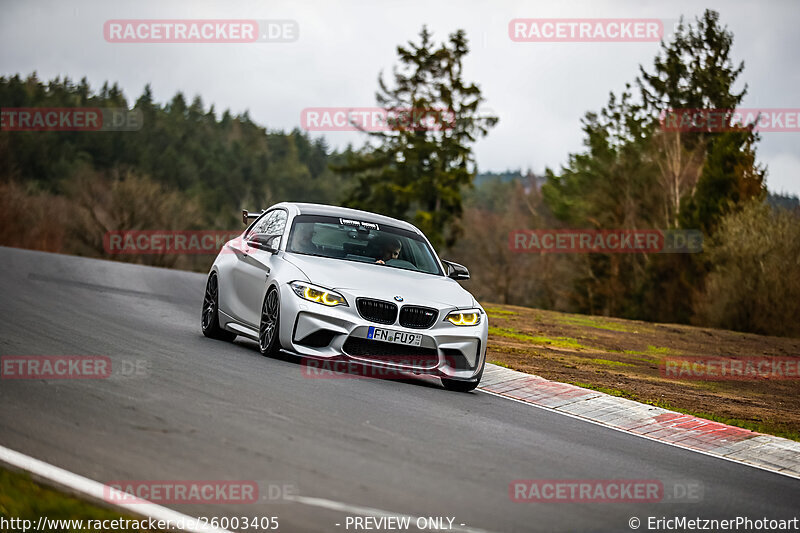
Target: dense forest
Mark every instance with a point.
(188, 167)
(219, 160)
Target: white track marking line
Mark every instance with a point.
(676, 445)
(367, 511)
(96, 491)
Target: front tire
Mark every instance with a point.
(210, 318)
(459, 386)
(268, 343)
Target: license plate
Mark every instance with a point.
(396, 337)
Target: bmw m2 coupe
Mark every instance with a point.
(339, 284)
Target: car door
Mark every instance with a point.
(253, 266)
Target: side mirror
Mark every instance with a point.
(268, 243)
(456, 271)
(247, 217)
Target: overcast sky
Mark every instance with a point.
(539, 90)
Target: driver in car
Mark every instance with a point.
(302, 240)
(390, 249)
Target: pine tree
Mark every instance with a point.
(418, 170)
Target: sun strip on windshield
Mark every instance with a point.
(358, 223)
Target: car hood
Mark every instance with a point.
(382, 282)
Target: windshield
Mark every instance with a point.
(366, 242)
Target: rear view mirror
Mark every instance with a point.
(247, 216)
(456, 271)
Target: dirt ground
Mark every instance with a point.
(627, 358)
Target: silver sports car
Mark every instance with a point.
(342, 285)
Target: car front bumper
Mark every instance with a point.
(340, 334)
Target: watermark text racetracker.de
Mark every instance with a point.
(605, 241)
(180, 491)
(70, 119)
(393, 367)
(377, 119)
(585, 30)
(165, 242)
(721, 120)
(70, 367)
(194, 31)
(731, 368)
(605, 491)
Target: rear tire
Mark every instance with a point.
(268, 328)
(209, 320)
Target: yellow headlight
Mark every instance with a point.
(318, 295)
(311, 294)
(329, 299)
(464, 319)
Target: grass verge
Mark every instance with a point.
(624, 357)
(25, 499)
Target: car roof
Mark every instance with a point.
(335, 211)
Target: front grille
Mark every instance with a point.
(391, 353)
(412, 316)
(377, 310)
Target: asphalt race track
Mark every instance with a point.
(210, 410)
